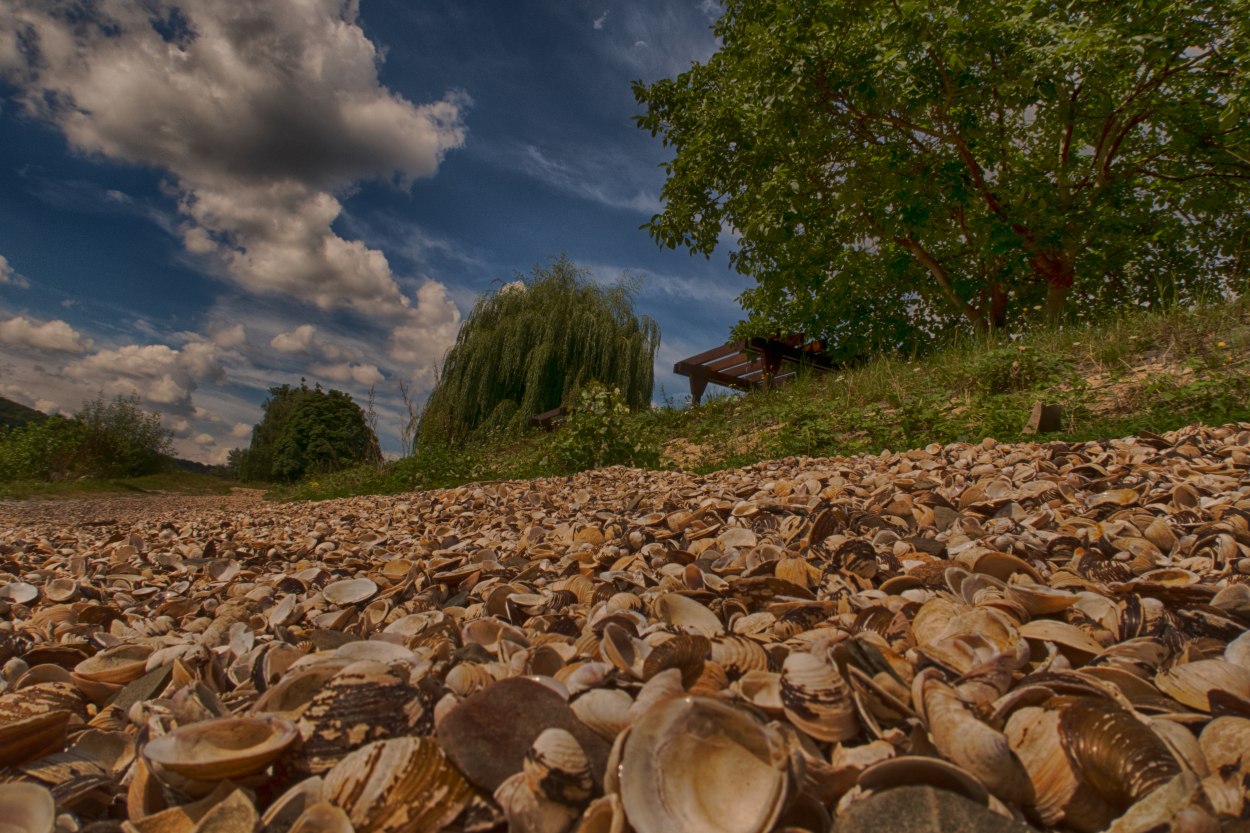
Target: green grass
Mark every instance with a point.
(180, 482)
(1143, 371)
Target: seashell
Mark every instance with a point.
(1190, 683)
(1118, 756)
(816, 699)
(26, 808)
(397, 785)
(291, 695)
(1059, 795)
(906, 770)
(976, 747)
(364, 702)
(603, 815)
(349, 591)
(693, 763)
(1075, 644)
(18, 592)
(289, 806)
(61, 590)
(557, 768)
(115, 666)
(528, 811)
(323, 817)
(233, 814)
(738, 655)
(605, 710)
(686, 613)
(226, 748)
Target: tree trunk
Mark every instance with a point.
(1059, 273)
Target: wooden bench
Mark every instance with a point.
(751, 364)
(548, 420)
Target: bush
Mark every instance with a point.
(113, 438)
(1016, 368)
(599, 433)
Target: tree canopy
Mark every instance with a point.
(529, 345)
(306, 431)
(892, 168)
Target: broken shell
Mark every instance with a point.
(61, 590)
(692, 763)
(226, 748)
(397, 785)
(18, 592)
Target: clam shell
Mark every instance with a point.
(364, 702)
(61, 590)
(688, 614)
(226, 748)
(557, 768)
(1113, 752)
(693, 763)
(26, 808)
(605, 710)
(323, 818)
(18, 592)
(816, 699)
(349, 591)
(906, 770)
(397, 785)
(1191, 682)
(115, 666)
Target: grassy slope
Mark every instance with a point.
(1141, 372)
(181, 482)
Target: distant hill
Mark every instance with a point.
(15, 415)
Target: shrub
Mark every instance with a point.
(599, 433)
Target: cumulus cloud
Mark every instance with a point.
(53, 336)
(304, 341)
(9, 277)
(262, 112)
(229, 338)
(241, 430)
(601, 21)
(162, 375)
(419, 343)
(344, 372)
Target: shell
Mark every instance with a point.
(1191, 682)
(816, 699)
(692, 763)
(350, 591)
(557, 768)
(397, 785)
(605, 710)
(364, 702)
(116, 666)
(26, 808)
(227, 748)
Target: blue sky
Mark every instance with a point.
(202, 199)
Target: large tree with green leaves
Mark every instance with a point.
(306, 431)
(894, 167)
(529, 345)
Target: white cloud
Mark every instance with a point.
(419, 344)
(597, 176)
(9, 277)
(160, 374)
(262, 112)
(203, 439)
(304, 341)
(229, 338)
(296, 342)
(241, 430)
(53, 336)
(601, 20)
(344, 372)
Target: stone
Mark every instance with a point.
(1045, 419)
(922, 810)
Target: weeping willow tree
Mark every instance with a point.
(528, 346)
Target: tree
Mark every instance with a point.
(306, 431)
(528, 346)
(954, 160)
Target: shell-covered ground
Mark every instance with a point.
(1056, 632)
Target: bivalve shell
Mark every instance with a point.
(816, 698)
(401, 784)
(26, 808)
(226, 748)
(349, 591)
(693, 763)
